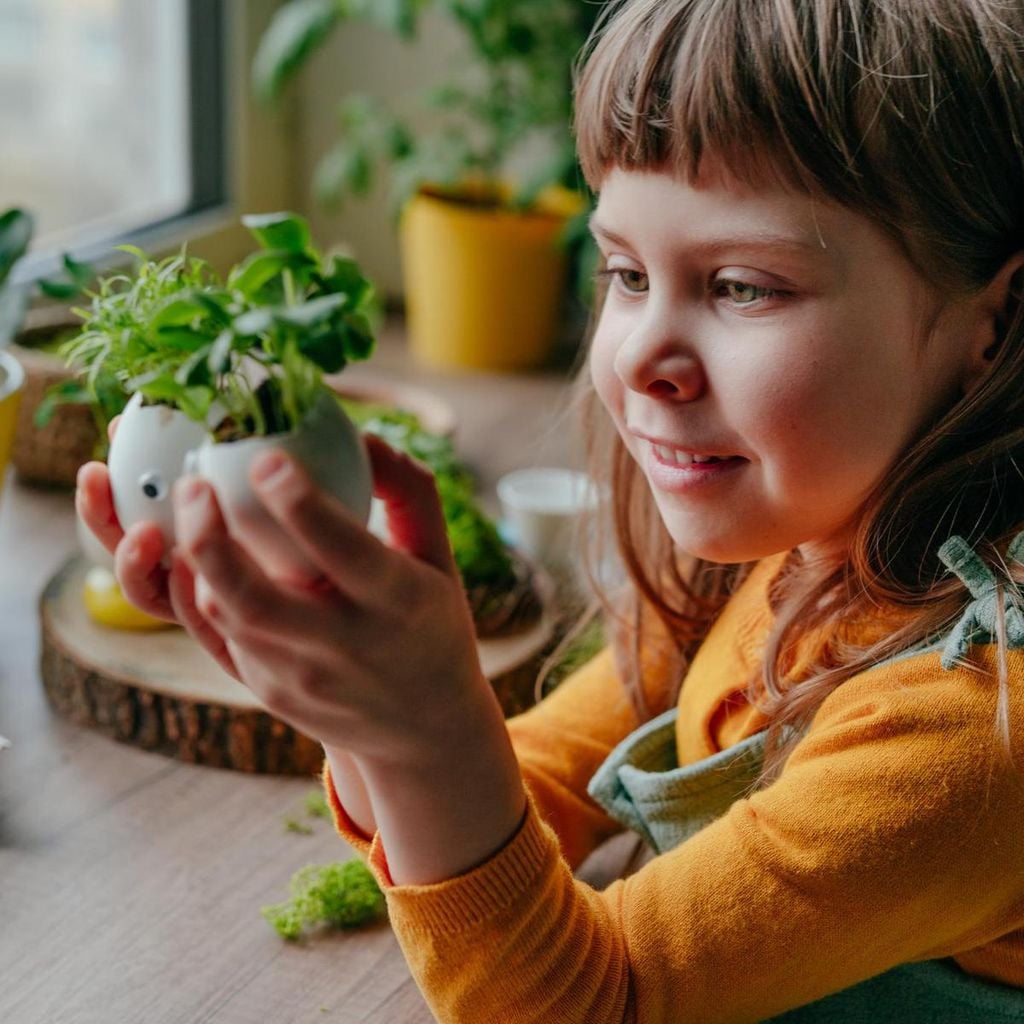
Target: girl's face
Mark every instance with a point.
(777, 331)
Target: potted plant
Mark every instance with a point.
(24, 376)
(218, 370)
(484, 260)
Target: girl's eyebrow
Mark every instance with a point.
(760, 240)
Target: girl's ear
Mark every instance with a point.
(999, 304)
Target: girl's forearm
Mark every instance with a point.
(449, 808)
(351, 789)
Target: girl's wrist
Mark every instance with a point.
(450, 807)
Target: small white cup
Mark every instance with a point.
(543, 506)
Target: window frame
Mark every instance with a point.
(238, 154)
(207, 106)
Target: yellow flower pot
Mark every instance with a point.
(483, 284)
(12, 386)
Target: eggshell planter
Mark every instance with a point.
(146, 457)
(326, 444)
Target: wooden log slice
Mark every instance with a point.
(161, 691)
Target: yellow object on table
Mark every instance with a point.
(105, 603)
(484, 285)
(12, 386)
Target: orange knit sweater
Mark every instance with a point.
(894, 834)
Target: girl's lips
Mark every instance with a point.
(669, 475)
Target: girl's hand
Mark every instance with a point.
(380, 657)
(144, 578)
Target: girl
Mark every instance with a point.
(809, 357)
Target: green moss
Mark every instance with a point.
(480, 554)
(339, 895)
(316, 805)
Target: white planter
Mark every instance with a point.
(146, 457)
(326, 444)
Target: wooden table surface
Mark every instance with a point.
(131, 884)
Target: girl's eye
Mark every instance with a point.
(633, 281)
(742, 293)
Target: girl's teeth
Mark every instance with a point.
(682, 458)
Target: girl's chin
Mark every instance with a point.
(723, 549)
(721, 556)
(717, 549)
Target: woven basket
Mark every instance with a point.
(50, 454)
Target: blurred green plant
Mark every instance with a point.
(513, 89)
(16, 229)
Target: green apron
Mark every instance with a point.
(642, 786)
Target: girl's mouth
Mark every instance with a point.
(670, 469)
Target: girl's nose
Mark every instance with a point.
(659, 368)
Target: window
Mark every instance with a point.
(111, 115)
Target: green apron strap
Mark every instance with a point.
(978, 624)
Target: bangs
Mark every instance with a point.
(670, 84)
(825, 96)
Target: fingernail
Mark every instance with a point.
(270, 469)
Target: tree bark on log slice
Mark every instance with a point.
(162, 692)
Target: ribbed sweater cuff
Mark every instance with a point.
(347, 828)
(466, 900)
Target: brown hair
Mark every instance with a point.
(910, 112)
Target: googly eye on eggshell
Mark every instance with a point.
(146, 456)
(153, 486)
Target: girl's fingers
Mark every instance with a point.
(357, 562)
(412, 505)
(137, 553)
(140, 571)
(352, 557)
(94, 503)
(112, 427)
(291, 688)
(232, 592)
(181, 587)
